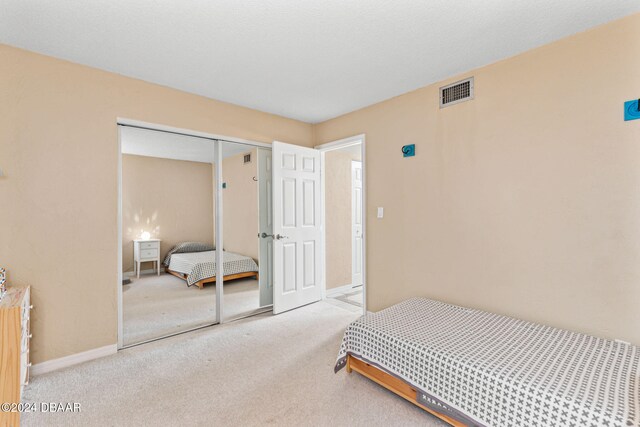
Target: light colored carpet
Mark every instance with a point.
(353, 296)
(156, 306)
(346, 306)
(264, 370)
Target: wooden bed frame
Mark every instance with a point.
(202, 282)
(395, 385)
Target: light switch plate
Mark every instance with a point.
(380, 212)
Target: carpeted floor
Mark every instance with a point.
(156, 306)
(353, 296)
(264, 370)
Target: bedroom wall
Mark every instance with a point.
(338, 217)
(59, 155)
(240, 205)
(524, 201)
(171, 199)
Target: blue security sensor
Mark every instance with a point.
(632, 110)
(409, 150)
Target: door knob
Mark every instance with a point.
(265, 235)
(280, 236)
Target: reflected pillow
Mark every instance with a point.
(187, 247)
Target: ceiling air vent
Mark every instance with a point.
(247, 158)
(456, 92)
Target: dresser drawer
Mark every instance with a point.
(25, 326)
(148, 254)
(24, 341)
(24, 369)
(149, 245)
(14, 349)
(26, 303)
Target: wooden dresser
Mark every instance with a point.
(15, 310)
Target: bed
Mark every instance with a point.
(199, 268)
(475, 368)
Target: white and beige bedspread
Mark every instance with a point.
(202, 265)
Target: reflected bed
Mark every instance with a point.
(199, 268)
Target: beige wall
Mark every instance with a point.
(524, 201)
(240, 203)
(59, 154)
(337, 173)
(171, 199)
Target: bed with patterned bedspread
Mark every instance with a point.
(198, 267)
(486, 369)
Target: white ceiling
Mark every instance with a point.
(305, 59)
(142, 142)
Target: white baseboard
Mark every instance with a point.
(73, 359)
(339, 290)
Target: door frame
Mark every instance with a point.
(331, 146)
(217, 139)
(353, 235)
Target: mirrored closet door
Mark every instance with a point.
(168, 248)
(246, 233)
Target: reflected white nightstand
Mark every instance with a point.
(146, 250)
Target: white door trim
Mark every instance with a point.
(356, 280)
(120, 326)
(341, 143)
(336, 145)
(219, 226)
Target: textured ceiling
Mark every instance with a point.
(305, 59)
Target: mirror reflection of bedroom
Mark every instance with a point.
(168, 233)
(241, 227)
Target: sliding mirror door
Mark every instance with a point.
(265, 228)
(242, 214)
(167, 234)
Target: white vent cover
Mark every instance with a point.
(247, 158)
(456, 92)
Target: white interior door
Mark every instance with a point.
(265, 229)
(296, 226)
(356, 222)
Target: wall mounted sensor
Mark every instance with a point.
(632, 110)
(409, 150)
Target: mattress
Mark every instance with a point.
(202, 265)
(491, 370)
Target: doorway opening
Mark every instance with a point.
(343, 189)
